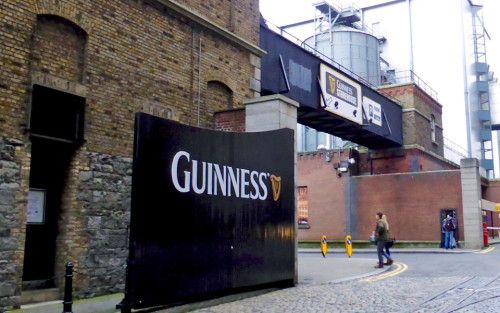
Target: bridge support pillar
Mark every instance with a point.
(471, 203)
(270, 113)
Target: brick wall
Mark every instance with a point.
(231, 14)
(412, 203)
(233, 121)
(418, 108)
(326, 196)
(340, 206)
(406, 160)
(123, 57)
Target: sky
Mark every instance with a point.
(285, 12)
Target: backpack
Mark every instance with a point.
(449, 225)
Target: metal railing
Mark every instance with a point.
(455, 147)
(407, 76)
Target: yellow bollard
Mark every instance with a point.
(348, 245)
(323, 245)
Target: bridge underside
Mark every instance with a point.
(331, 124)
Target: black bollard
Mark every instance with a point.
(68, 289)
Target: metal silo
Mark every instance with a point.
(341, 35)
(355, 50)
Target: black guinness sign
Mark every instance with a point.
(212, 212)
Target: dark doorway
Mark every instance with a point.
(49, 163)
(56, 129)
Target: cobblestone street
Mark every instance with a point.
(393, 294)
(395, 290)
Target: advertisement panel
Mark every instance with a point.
(212, 212)
(340, 95)
(373, 111)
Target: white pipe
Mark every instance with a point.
(411, 35)
(466, 87)
(199, 83)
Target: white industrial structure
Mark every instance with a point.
(450, 56)
(451, 59)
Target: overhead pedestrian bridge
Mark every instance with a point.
(331, 99)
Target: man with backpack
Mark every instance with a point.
(449, 229)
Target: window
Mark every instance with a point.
(56, 115)
(433, 128)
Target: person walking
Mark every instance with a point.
(388, 243)
(449, 228)
(381, 238)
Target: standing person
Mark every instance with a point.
(449, 228)
(387, 244)
(443, 232)
(381, 238)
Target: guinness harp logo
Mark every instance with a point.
(331, 84)
(276, 184)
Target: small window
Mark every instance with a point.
(56, 115)
(376, 29)
(433, 128)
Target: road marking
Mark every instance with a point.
(400, 268)
(486, 250)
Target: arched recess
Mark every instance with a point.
(217, 97)
(59, 48)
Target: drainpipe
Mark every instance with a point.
(411, 35)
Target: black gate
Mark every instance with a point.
(212, 212)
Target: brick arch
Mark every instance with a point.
(216, 97)
(66, 11)
(216, 76)
(59, 48)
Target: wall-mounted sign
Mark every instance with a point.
(342, 96)
(373, 111)
(302, 206)
(36, 206)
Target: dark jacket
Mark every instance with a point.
(381, 232)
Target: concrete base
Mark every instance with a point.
(40, 295)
